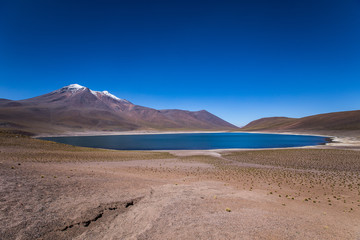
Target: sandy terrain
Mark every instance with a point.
(55, 191)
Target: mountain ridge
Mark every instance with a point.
(78, 108)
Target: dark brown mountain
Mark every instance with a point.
(349, 120)
(77, 108)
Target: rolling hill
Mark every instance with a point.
(347, 120)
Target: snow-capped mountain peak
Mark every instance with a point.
(75, 85)
(73, 88)
(77, 108)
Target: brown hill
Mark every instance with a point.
(77, 108)
(349, 120)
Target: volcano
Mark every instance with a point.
(77, 108)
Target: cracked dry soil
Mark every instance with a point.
(176, 198)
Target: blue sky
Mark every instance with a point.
(240, 60)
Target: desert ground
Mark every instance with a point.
(55, 191)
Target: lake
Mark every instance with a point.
(191, 141)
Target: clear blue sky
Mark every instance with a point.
(240, 60)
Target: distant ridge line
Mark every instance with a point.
(76, 108)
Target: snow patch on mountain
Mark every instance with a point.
(106, 93)
(110, 95)
(73, 88)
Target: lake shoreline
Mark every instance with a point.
(112, 133)
(337, 139)
(193, 141)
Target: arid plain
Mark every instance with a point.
(56, 191)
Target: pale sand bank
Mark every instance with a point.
(108, 133)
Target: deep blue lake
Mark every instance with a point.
(191, 141)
